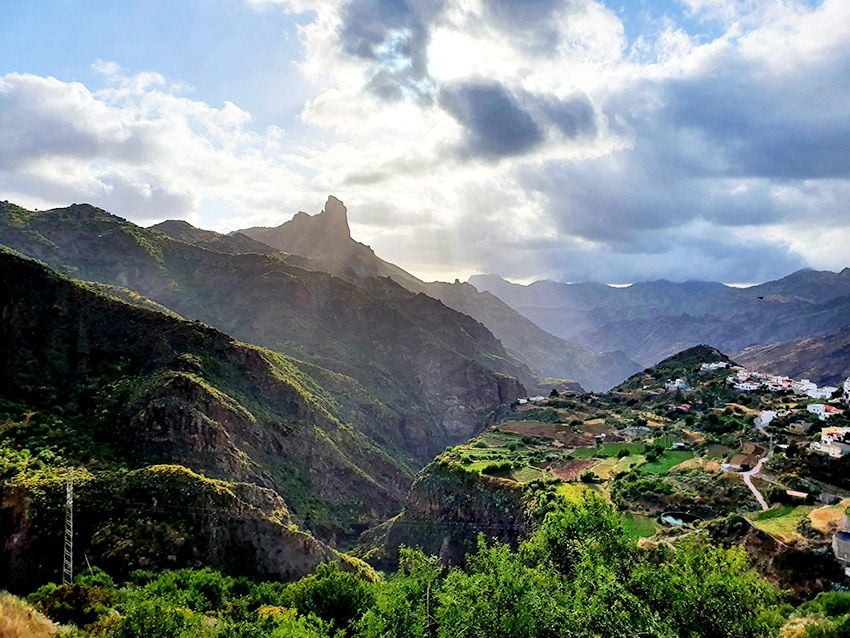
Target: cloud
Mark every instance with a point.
(526, 138)
(134, 147)
(494, 124)
(391, 35)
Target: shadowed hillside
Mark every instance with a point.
(426, 376)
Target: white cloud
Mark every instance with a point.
(694, 158)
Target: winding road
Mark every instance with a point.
(748, 479)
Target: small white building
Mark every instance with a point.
(747, 386)
(764, 418)
(821, 393)
(822, 411)
(847, 391)
(537, 399)
(833, 441)
(711, 367)
(677, 385)
(804, 386)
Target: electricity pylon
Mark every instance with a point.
(68, 556)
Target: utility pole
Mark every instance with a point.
(68, 555)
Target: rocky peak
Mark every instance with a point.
(336, 217)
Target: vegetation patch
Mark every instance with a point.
(664, 463)
(639, 526)
(783, 522)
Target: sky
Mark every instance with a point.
(574, 140)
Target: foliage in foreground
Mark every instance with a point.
(578, 575)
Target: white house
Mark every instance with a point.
(821, 393)
(823, 411)
(764, 418)
(847, 391)
(747, 386)
(804, 386)
(711, 367)
(677, 385)
(833, 441)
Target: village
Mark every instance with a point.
(688, 442)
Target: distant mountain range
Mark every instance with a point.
(649, 321)
(325, 239)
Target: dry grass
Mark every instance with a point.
(829, 518)
(697, 463)
(19, 620)
(697, 438)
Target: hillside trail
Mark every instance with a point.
(748, 479)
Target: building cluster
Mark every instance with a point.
(677, 385)
(823, 411)
(833, 441)
(749, 381)
(535, 399)
(713, 367)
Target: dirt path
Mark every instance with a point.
(748, 479)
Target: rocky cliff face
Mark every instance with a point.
(445, 511)
(108, 383)
(325, 238)
(825, 360)
(412, 368)
(156, 517)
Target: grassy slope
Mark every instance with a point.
(429, 375)
(112, 385)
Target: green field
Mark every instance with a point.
(606, 450)
(782, 522)
(526, 474)
(669, 459)
(717, 451)
(639, 526)
(612, 466)
(574, 492)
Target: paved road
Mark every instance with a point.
(748, 479)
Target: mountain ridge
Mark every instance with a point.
(325, 239)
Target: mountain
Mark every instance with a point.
(549, 356)
(404, 369)
(232, 243)
(824, 360)
(652, 320)
(184, 444)
(684, 365)
(325, 239)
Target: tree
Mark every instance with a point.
(498, 596)
(405, 604)
(571, 529)
(334, 595)
(704, 590)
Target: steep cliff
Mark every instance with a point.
(425, 378)
(100, 383)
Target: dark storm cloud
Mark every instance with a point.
(574, 117)
(495, 124)
(392, 35)
(499, 123)
(791, 124)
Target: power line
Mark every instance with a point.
(68, 554)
